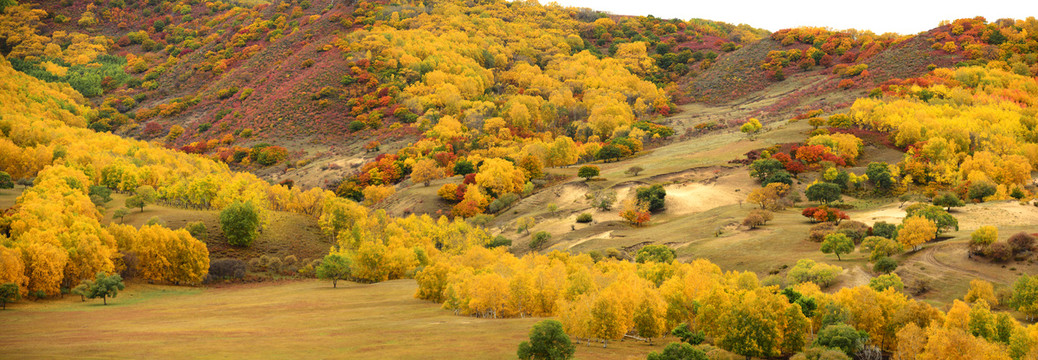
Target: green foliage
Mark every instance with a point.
(807, 270)
(8, 292)
(655, 253)
(240, 223)
(1025, 295)
(5, 181)
(334, 267)
(884, 229)
(539, 239)
(120, 213)
(104, 194)
(464, 167)
(979, 191)
(841, 336)
(939, 216)
(588, 172)
(821, 353)
(837, 243)
(197, 229)
(547, 341)
(678, 351)
(104, 286)
(499, 241)
(764, 168)
(823, 192)
(948, 200)
(684, 332)
(356, 126)
(885, 265)
(142, 197)
(887, 281)
(653, 196)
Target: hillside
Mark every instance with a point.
(463, 171)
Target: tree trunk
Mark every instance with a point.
(334, 283)
(838, 257)
(104, 299)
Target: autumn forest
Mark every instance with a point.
(509, 179)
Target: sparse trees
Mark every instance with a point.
(240, 223)
(588, 172)
(334, 267)
(547, 341)
(837, 243)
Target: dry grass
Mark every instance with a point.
(302, 319)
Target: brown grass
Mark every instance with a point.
(301, 319)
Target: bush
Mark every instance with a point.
(197, 229)
(841, 337)
(1021, 242)
(502, 203)
(356, 126)
(884, 229)
(547, 341)
(678, 351)
(884, 265)
(226, 269)
(807, 270)
(820, 230)
(584, 218)
(887, 281)
(757, 218)
(979, 191)
(999, 251)
(855, 230)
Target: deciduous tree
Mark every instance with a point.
(240, 223)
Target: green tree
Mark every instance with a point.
(1025, 295)
(105, 286)
(684, 332)
(334, 267)
(240, 223)
(539, 239)
(611, 152)
(837, 243)
(886, 281)
(948, 200)
(5, 181)
(142, 197)
(823, 192)
(678, 351)
(464, 167)
(657, 253)
(547, 341)
(885, 265)
(879, 174)
(8, 292)
(653, 196)
(634, 170)
(120, 214)
(841, 336)
(588, 172)
(764, 168)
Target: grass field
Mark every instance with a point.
(299, 319)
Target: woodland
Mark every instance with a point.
(589, 185)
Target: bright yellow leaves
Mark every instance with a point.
(500, 177)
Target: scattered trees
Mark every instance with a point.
(240, 223)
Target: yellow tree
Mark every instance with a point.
(916, 231)
(768, 197)
(425, 170)
(12, 269)
(500, 177)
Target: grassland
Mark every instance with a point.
(300, 319)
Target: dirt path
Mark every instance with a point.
(929, 257)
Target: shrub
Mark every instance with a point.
(883, 229)
(999, 251)
(819, 231)
(887, 281)
(841, 337)
(502, 203)
(547, 341)
(226, 269)
(757, 218)
(584, 218)
(1021, 242)
(356, 126)
(807, 270)
(855, 230)
(240, 223)
(197, 229)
